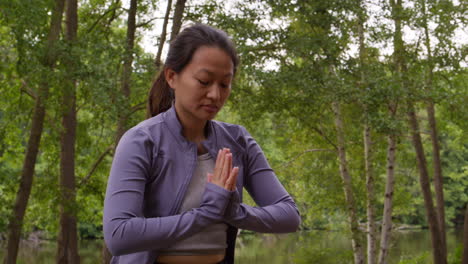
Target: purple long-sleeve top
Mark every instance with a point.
(151, 170)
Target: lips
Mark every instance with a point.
(210, 108)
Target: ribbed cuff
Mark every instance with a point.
(232, 209)
(215, 199)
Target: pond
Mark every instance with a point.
(303, 247)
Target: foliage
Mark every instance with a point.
(456, 256)
(297, 57)
(420, 259)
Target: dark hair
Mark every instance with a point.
(180, 54)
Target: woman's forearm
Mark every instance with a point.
(127, 232)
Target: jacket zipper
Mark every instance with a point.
(183, 190)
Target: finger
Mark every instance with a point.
(209, 177)
(218, 161)
(225, 169)
(235, 176)
(220, 165)
(232, 180)
(229, 165)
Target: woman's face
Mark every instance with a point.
(204, 85)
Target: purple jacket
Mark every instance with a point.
(152, 167)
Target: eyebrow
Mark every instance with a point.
(211, 73)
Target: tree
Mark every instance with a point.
(125, 87)
(162, 40)
(177, 20)
(127, 70)
(430, 109)
(388, 203)
(347, 187)
(305, 65)
(400, 71)
(22, 197)
(67, 243)
(367, 139)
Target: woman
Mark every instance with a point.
(174, 193)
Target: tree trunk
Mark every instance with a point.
(125, 90)
(177, 20)
(347, 187)
(438, 179)
(388, 203)
(400, 66)
(67, 246)
(127, 70)
(465, 238)
(163, 36)
(371, 229)
(27, 174)
(432, 220)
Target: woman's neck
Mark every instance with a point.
(194, 133)
(192, 129)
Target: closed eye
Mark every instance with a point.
(202, 82)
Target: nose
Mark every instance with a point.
(214, 92)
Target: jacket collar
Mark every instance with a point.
(175, 127)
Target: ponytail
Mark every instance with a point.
(160, 96)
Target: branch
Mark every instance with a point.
(136, 108)
(103, 15)
(286, 164)
(320, 132)
(95, 165)
(142, 24)
(257, 48)
(25, 88)
(328, 140)
(113, 17)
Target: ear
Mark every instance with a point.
(170, 76)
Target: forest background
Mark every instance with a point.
(360, 107)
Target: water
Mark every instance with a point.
(301, 248)
(334, 247)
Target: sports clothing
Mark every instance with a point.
(150, 173)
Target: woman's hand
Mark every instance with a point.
(224, 175)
